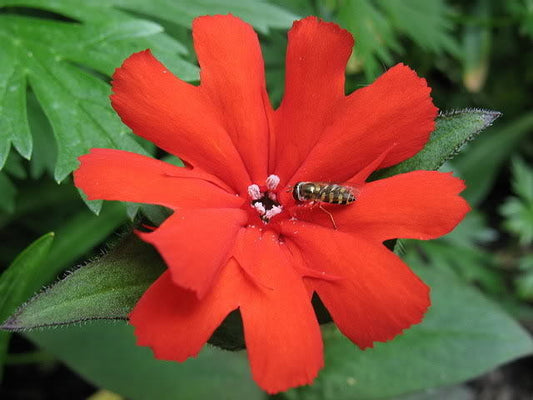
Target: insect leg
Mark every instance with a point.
(330, 216)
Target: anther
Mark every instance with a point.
(275, 210)
(272, 182)
(259, 207)
(254, 192)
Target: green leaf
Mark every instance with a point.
(480, 166)
(524, 281)
(106, 355)
(65, 64)
(463, 335)
(262, 15)
(524, 286)
(14, 166)
(21, 278)
(477, 44)
(378, 26)
(107, 288)
(19, 281)
(427, 23)
(454, 129)
(518, 210)
(7, 193)
(374, 33)
(44, 157)
(83, 232)
(14, 128)
(523, 180)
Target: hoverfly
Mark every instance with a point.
(320, 192)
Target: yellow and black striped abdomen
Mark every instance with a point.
(323, 192)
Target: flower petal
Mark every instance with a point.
(280, 327)
(232, 76)
(175, 323)
(176, 116)
(379, 296)
(120, 175)
(395, 109)
(317, 53)
(196, 244)
(415, 205)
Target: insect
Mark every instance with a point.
(323, 192)
(320, 192)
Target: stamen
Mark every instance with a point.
(265, 203)
(272, 182)
(259, 207)
(275, 210)
(254, 192)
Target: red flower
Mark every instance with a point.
(238, 238)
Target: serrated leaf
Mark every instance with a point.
(427, 23)
(14, 128)
(523, 180)
(19, 281)
(43, 159)
(107, 288)
(260, 14)
(62, 62)
(106, 355)
(454, 129)
(463, 335)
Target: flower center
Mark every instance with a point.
(264, 199)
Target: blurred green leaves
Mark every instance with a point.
(106, 355)
(518, 210)
(477, 44)
(378, 26)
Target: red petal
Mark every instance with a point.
(196, 244)
(120, 175)
(281, 331)
(232, 76)
(395, 109)
(174, 323)
(379, 296)
(317, 54)
(415, 205)
(176, 116)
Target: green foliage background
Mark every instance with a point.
(56, 58)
